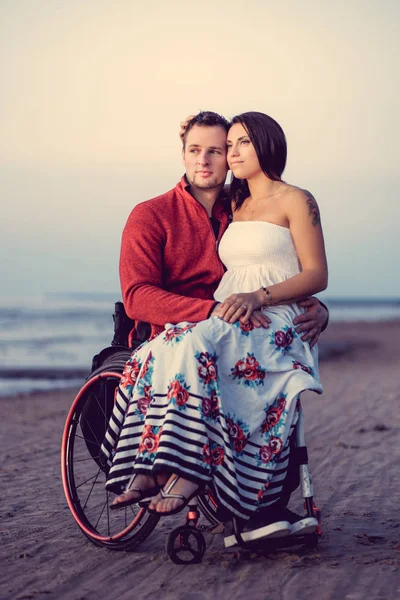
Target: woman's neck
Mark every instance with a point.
(261, 188)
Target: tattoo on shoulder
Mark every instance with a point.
(313, 209)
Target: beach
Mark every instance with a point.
(353, 439)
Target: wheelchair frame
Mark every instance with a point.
(125, 529)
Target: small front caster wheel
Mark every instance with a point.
(186, 545)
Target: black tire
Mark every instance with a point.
(186, 545)
(84, 468)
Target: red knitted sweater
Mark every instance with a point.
(169, 265)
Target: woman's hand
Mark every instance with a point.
(184, 124)
(240, 306)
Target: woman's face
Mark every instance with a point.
(242, 157)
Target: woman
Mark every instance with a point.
(218, 400)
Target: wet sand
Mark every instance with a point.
(353, 438)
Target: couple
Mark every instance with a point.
(213, 396)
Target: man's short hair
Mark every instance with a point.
(206, 119)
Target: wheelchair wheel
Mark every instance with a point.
(186, 545)
(84, 469)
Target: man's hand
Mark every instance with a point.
(257, 318)
(184, 124)
(311, 322)
(217, 310)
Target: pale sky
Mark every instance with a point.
(92, 93)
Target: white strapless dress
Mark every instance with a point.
(215, 401)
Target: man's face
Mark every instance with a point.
(204, 156)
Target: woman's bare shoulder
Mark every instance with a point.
(298, 199)
(295, 193)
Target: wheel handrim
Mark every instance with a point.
(92, 498)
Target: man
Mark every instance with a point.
(169, 265)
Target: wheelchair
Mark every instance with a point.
(84, 471)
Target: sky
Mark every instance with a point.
(92, 93)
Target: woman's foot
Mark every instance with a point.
(174, 496)
(140, 486)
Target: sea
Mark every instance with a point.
(47, 342)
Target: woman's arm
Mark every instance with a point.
(305, 226)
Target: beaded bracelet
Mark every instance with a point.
(269, 298)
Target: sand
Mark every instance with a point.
(353, 437)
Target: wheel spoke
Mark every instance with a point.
(100, 515)
(105, 392)
(89, 479)
(86, 483)
(93, 433)
(108, 512)
(91, 489)
(89, 458)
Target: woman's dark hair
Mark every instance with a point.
(269, 142)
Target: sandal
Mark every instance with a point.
(165, 494)
(143, 493)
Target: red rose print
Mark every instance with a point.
(252, 362)
(212, 370)
(261, 493)
(147, 391)
(143, 404)
(217, 455)
(239, 444)
(289, 337)
(173, 388)
(298, 365)
(169, 334)
(149, 441)
(251, 374)
(208, 370)
(248, 369)
(281, 403)
(206, 407)
(207, 458)
(265, 454)
(234, 431)
(275, 444)
(179, 393)
(280, 339)
(247, 326)
(182, 397)
(214, 404)
(239, 369)
(146, 365)
(203, 357)
(130, 373)
(271, 419)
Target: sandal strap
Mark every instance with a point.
(166, 495)
(141, 490)
(166, 491)
(133, 489)
(170, 485)
(131, 480)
